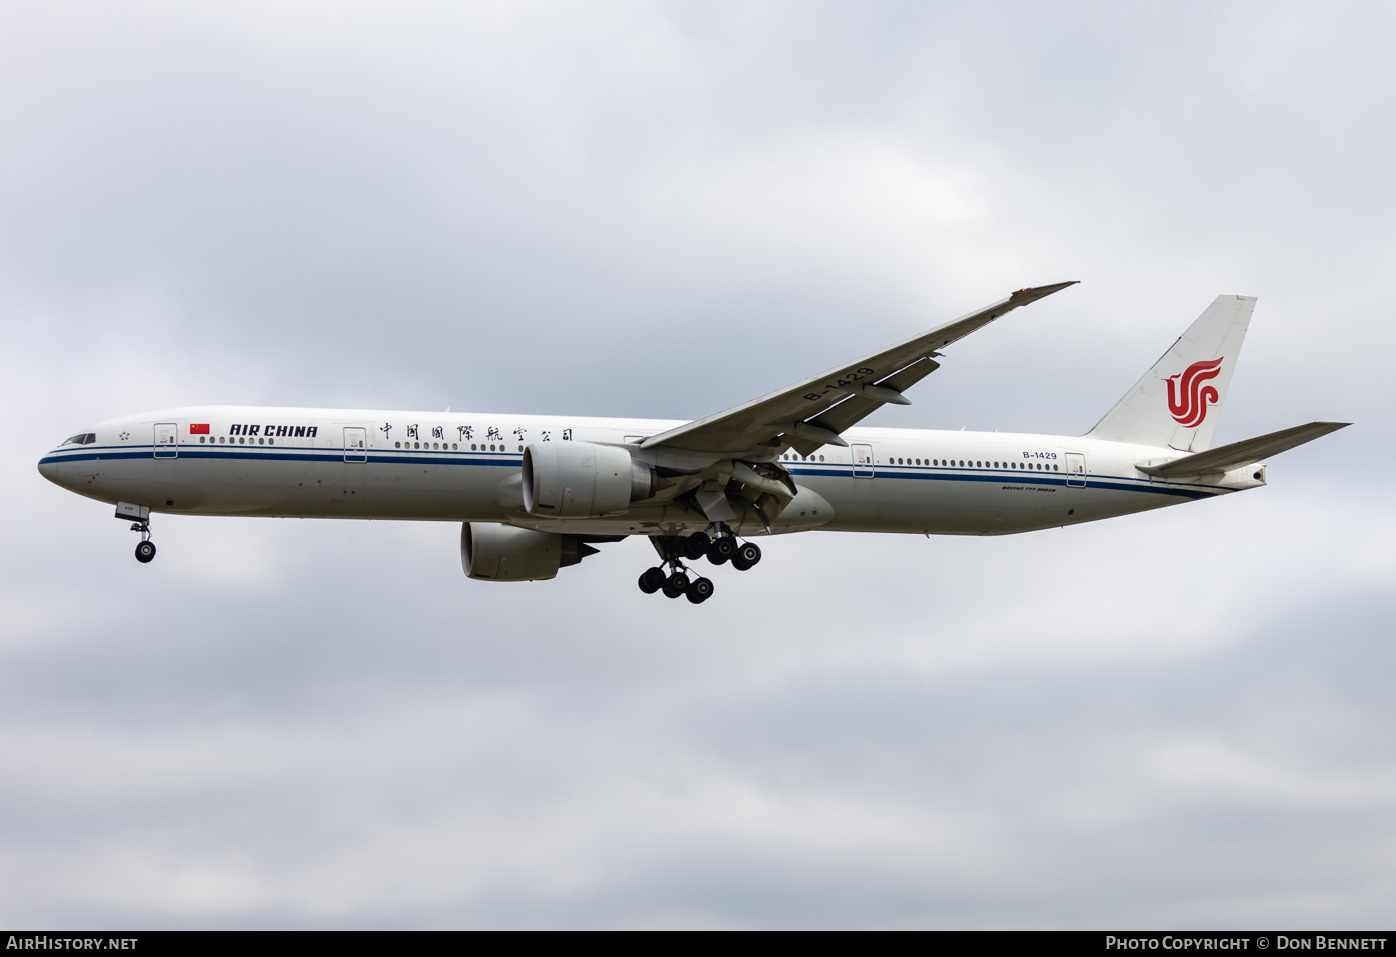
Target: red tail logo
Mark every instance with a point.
(1188, 402)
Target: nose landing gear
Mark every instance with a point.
(145, 548)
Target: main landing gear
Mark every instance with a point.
(145, 549)
(720, 547)
(673, 585)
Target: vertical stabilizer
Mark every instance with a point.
(1179, 400)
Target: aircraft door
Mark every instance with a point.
(1075, 469)
(862, 461)
(166, 440)
(355, 445)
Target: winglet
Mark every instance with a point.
(1031, 294)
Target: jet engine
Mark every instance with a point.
(578, 479)
(503, 553)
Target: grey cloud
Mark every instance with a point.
(1176, 718)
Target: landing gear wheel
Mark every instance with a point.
(739, 563)
(676, 585)
(652, 580)
(696, 545)
(721, 550)
(145, 551)
(750, 554)
(699, 590)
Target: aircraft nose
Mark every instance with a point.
(58, 466)
(52, 470)
(60, 473)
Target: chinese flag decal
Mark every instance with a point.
(198, 429)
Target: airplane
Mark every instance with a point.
(535, 494)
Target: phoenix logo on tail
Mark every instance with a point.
(1188, 402)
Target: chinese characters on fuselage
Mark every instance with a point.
(464, 432)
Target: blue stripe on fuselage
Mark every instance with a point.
(290, 455)
(336, 456)
(1113, 483)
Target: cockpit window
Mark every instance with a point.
(85, 438)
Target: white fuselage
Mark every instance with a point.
(437, 466)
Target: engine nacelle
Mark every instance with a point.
(503, 553)
(578, 479)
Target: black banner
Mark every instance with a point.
(1018, 941)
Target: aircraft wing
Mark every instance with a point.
(812, 413)
(1244, 452)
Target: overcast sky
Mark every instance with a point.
(1182, 718)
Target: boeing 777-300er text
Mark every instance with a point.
(537, 493)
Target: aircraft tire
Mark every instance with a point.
(750, 554)
(739, 563)
(696, 545)
(722, 549)
(699, 590)
(652, 580)
(145, 551)
(676, 585)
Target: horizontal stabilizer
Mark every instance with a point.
(1244, 452)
